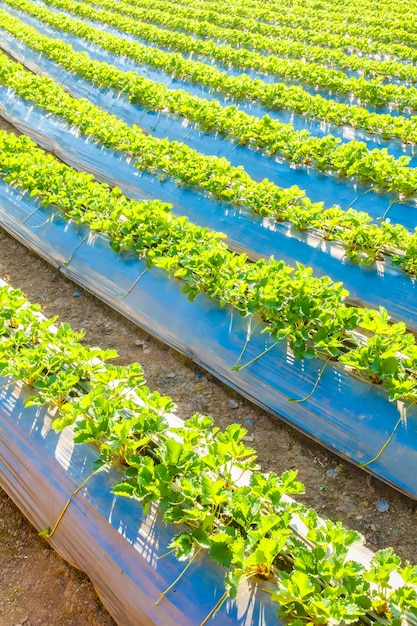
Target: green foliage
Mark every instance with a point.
(201, 22)
(192, 474)
(372, 91)
(365, 242)
(255, 25)
(277, 96)
(294, 306)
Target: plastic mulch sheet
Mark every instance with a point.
(346, 414)
(108, 537)
(123, 551)
(127, 64)
(319, 187)
(380, 285)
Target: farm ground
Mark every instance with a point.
(36, 587)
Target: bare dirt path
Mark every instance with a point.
(37, 587)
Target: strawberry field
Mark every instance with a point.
(240, 181)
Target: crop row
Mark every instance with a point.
(181, 21)
(372, 91)
(277, 96)
(191, 473)
(392, 25)
(188, 471)
(352, 159)
(363, 240)
(246, 25)
(357, 13)
(308, 312)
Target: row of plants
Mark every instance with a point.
(367, 7)
(178, 20)
(372, 91)
(240, 88)
(307, 312)
(357, 13)
(364, 241)
(326, 154)
(246, 24)
(193, 473)
(393, 25)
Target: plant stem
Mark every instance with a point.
(29, 215)
(162, 556)
(385, 444)
(308, 396)
(359, 196)
(216, 608)
(12, 382)
(241, 367)
(47, 533)
(248, 338)
(180, 575)
(48, 220)
(132, 286)
(387, 210)
(71, 256)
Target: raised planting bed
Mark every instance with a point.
(109, 538)
(346, 414)
(187, 488)
(378, 284)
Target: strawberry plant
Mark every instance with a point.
(364, 242)
(193, 473)
(242, 20)
(372, 91)
(200, 477)
(293, 305)
(206, 29)
(275, 96)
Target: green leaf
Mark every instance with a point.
(124, 489)
(201, 537)
(389, 365)
(221, 553)
(183, 545)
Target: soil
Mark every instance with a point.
(37, 587)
